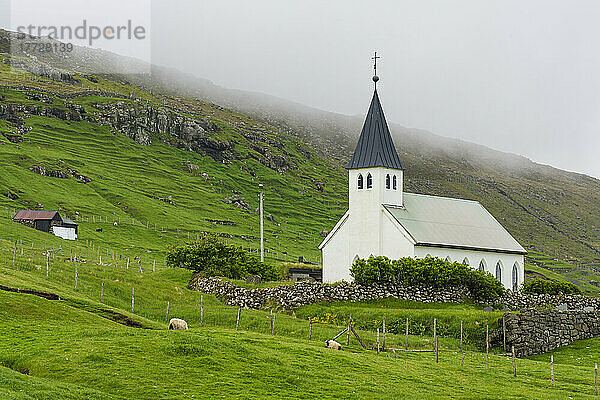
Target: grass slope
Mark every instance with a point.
(69, 349)
(126, 177)
(74, 350)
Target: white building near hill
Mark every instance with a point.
(383, 220)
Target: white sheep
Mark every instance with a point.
(177, 324)
(332, 344)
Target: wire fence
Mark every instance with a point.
(187, 234)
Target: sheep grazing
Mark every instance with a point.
(177, 324)
(332, 344)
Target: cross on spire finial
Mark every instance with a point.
(375, 77)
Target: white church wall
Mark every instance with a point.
(394, 244)
(336, 256)
(474, 258)
(388, 241)
(378, 194)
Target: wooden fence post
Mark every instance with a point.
(167, 317)
(437, 347)
(76, 273)
(47, 264)
(487, 347)
(504, 332)
(434, 331)
(273, 324)
(102, 294)
(132, 300)
(406, 341)
(201, 311)
(15, 255)
(154, 266)
(552, 368)
(514, 362)
(237, 323)
(348, 334)
(377, 340)
(310, 322)
(462, 360)
(383, 343)
(596, 379)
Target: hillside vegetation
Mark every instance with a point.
(168, 163)
(77, 348)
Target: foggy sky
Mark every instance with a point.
(518, 76)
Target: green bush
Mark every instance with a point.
(430, 271)
(545, 286)
(210, 256)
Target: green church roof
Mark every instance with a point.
(454, 223)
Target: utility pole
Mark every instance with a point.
(262, 240)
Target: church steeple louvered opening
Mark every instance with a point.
(375, 146)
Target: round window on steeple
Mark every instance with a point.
(369, 181)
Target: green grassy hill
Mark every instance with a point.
(163, 185)
(159, 194)
(72, 348)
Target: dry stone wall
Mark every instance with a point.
(304, 293)
(538, 331)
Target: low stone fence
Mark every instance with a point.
(519, 301)
(304, 293)
(538, 331)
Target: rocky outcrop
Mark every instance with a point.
(142, 122)
(237, 201)
(43, 70)
(69, 173)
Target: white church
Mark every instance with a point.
(383, 220)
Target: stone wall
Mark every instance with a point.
(538, 331)
(304, 293)
(519, 301)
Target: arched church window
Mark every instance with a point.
(369, 181)
(482, 265)
(395, 184)
(499, 271)
(360, 181)
(466, 261)
(515, 277)
(387, 181)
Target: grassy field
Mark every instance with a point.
(68, 349)
(369, 315)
